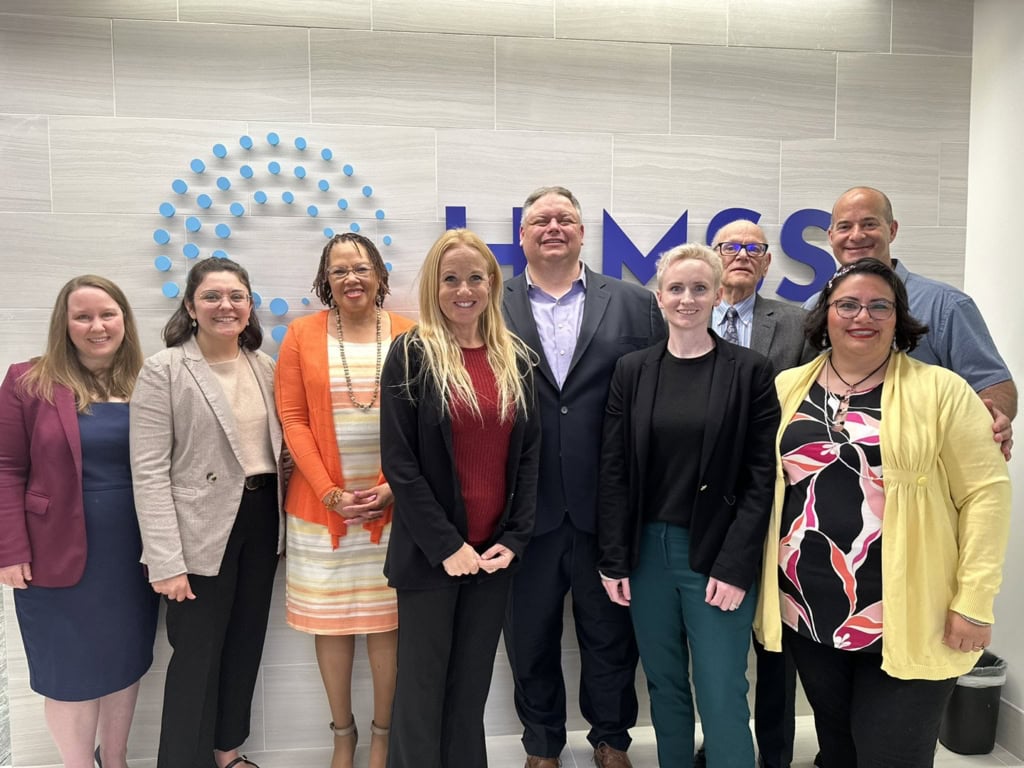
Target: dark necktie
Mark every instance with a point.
(731, 333)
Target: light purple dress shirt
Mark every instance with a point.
(558, 322)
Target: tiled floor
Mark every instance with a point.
(507, 752)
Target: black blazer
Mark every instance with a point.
(617, 318)
(737, 464)
(429, 519)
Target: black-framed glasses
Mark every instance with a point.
(880, 309)
(213, 298)
(732, 250)
(340, 273)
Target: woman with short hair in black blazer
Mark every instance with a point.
(460, 442)
(687, 472)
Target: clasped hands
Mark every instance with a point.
(466, 561)
(358, 507)
(718, 594)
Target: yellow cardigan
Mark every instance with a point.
(946, 520)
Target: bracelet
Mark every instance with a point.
(332, 499)
(975, 622)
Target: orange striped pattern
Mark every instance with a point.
(343, 591)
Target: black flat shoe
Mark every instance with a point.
(97, 755)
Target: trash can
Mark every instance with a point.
(969, 722)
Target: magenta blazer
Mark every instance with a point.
(42, 515)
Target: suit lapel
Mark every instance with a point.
(722, 379)
(519, 316)
(646, 389)
(64, 401)
(207, 382)
(265, 378)
(594, 306)
(763, 330)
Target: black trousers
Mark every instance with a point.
(555, 563)
(218, 641)
(447, 640)
(774, 706)
(864, 717)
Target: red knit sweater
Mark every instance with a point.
(481, 449)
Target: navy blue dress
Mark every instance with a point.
(95, 638)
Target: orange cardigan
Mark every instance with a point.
(302, 389)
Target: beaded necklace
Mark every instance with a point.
(364, 407)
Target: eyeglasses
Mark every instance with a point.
(732, 250)
(212, 298)
(848, 309)
(340, 273)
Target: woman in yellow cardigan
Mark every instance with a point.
(891, 516)
(338, 503)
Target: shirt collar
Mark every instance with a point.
(745, 310)
(581, 279)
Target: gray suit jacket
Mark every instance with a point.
(777, 332)
(186, 471)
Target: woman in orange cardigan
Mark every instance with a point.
(338, 503)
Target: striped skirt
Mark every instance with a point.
(341, 591)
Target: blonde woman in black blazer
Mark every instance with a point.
(687, 472)
(460, 442)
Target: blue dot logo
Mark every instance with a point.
(211, 210)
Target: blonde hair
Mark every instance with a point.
(60, 363)
(691, 251)
(443, 364)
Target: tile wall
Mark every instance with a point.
(647, 109)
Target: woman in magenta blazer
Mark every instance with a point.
(69, 539)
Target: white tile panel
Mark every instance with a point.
(582, 86)
(395, 78)
(211, 71)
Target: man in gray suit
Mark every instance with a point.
(579, 323)
(776, 330)
(773, 328)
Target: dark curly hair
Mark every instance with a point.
(322, 283)
(179, 328)
(908, 329)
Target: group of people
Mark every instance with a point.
(689, 465)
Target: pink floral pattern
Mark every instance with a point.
(830, 546)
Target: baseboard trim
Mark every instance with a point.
(1010, 730)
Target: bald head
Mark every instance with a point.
(742, 272)
(862, 226)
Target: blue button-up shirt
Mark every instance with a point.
(744, 323)
(558, 322)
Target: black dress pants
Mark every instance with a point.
(218, 641)
(774, 706)
(447, 640)
(554, 564)
(865, 718)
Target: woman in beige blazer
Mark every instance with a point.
(206, 448)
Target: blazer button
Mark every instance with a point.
(211, 478)
(564, 410)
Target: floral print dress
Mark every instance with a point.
(830, 554)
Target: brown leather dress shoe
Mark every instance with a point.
(609, 757)
(542, 762)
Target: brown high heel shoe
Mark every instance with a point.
(349, 730)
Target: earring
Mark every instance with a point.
(825, 342)
(194, 324)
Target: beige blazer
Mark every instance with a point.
(186, 468)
